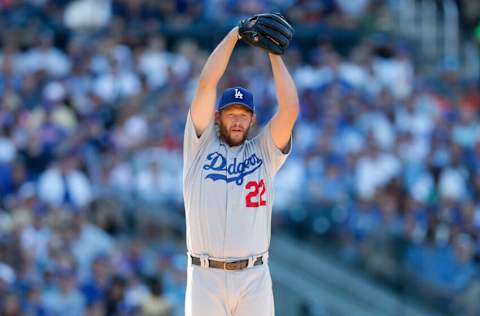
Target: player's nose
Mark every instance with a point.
(237, 125)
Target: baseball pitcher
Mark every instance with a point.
(228, 179)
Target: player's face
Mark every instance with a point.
(234, 123)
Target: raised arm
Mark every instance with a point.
(203, 104)
(288, 105)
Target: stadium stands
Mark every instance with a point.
(385, 173)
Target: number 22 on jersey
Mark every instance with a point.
(255, 196)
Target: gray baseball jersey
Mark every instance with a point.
(228, 192)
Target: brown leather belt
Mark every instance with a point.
(227, 265)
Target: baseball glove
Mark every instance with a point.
(269, 31)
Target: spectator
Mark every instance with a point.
(11, 305)
(64, 298)
(7, 148)
(453, 182)
(65, 184)
(155, 184)
(34, 305)
(354, 8)
(374, 170)
(154, 62)
(464, 269)
(87, 243)
(156, 304)
(135, 294)
(35, 238)
(87, 14)
(114, 300)
(95, 286)
(46, 57)
(175, 284)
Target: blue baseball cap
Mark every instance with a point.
(236, 95)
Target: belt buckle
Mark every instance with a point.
(232, 265)
(228, 265)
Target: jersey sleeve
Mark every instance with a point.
(192, 143)
(272, 154)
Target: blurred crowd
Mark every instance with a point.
(91, 121)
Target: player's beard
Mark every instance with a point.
(225, 135)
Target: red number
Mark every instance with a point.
(262, 192)
(252, 196)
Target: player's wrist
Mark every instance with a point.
(235, 32)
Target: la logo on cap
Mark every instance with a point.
(238, 94)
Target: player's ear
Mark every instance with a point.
(254, 120)
(217, 116)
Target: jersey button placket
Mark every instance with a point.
(232, 197)
(225, 227)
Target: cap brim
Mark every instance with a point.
(226, 105)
